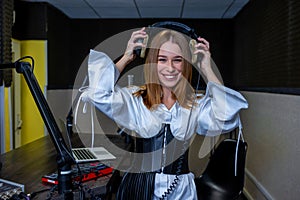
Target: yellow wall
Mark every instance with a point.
(33, 125)
(7, 115)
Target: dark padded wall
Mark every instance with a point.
(69, 40)
(258, 49)
(6, 22)
(31, 21)
(59, 50)
(267, 46)
(87, 34)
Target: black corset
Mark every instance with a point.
(173, 161)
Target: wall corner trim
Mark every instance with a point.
(259, 186)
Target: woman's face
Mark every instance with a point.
(169, 64)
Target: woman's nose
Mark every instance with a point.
(170, 65)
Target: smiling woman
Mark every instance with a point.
(164, 113)
(168, 71)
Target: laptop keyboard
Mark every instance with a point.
(83, 154)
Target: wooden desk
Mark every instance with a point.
(27, 164)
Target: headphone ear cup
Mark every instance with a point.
(143, 50)
(192, 45)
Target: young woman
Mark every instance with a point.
(164, 112)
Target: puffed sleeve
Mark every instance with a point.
(102, 77)
(219, 110)
(115, 102)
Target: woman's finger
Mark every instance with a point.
(203, 43)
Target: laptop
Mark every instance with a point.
(85, 154)
(91, 154)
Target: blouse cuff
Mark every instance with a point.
(226, 103)
(102, 71)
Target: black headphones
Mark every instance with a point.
(176, 26)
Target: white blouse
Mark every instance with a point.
(215, 113)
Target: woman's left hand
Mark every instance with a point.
(204, 64)
(202, 47)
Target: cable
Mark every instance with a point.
(172, 187)
(50, 194)
(32, 195)
(91, 193)
(180, 162)
(19, 196)
(25, 57)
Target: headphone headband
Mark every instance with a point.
(177, 27)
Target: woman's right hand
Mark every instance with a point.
(131, 46)
(133, 43)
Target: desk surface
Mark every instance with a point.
(27, 164)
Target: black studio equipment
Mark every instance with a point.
(11, 190)
(64, 159)
(176, 26)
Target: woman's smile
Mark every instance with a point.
(171, 77)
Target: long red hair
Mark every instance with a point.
(152, 92)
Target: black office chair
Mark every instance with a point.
(219, 181)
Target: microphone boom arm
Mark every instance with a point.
(64, 159)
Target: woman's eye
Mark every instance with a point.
(177, 60)
(161, 60)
